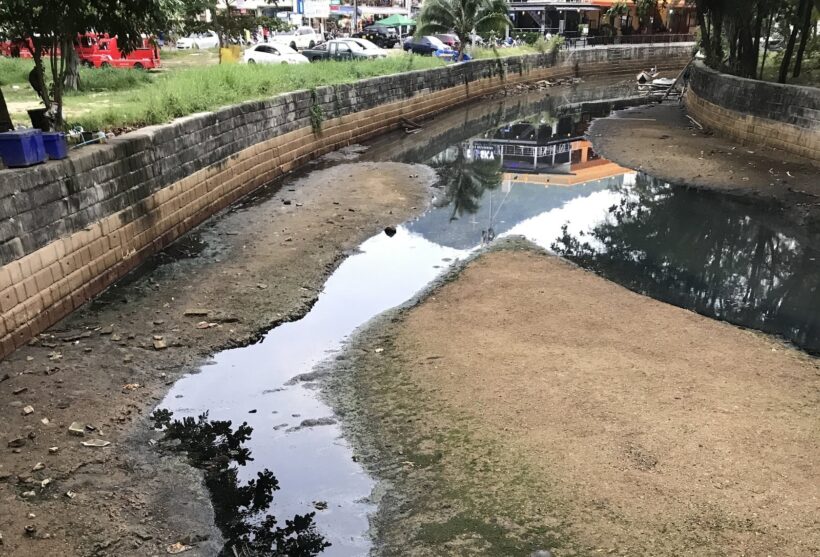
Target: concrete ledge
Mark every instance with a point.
(785, 117)
(69, 229)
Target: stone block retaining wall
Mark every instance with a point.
(69, 229)
(757, 112)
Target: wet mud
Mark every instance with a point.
(481, 406)
(261, 263)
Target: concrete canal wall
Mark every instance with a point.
(757, 112)
(69, 229)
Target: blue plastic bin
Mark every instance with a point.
(22, 147)
(56, 145)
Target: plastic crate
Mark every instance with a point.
(22, 148)
(56, 145)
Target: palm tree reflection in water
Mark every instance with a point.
(464, 181)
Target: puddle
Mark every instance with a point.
(520, 166)
(312, 463)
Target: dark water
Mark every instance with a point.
(512, 167)
(715, 254)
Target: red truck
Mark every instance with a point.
(96, 51)
(101, 51)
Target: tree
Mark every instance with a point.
(5, 118)
(739, 25)
(803, 14)
(52, 27)
(646, 9)
(616, 11)
(463, 18)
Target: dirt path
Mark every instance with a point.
(528, 404)
(661, 141)
(107, 365)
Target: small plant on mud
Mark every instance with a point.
(214, 447)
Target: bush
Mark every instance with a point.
(528, 37)
(555, 43)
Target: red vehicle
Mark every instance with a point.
(95, 51)
(102, 52)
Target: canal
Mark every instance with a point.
(516, 166)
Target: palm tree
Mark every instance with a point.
(463, 18)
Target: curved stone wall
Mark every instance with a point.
(69, 229)
(755, 112)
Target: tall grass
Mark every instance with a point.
(14, 70)
(112, 79)
(200, 89)
(503, 52)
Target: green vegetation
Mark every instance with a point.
(734, 33)
(14, 70)
(479, 53)
(201, 89)
(111, 98)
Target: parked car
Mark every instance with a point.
(303, 37)
(384, 37)
(450, 40)
(95, 51)
(272, 54)
(208, 39)
(345, 49)
(425, 45)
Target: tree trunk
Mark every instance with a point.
(787, 56)
(804, 39)
(5, 118)
(705, 41)
(72, 74)
(766, 45)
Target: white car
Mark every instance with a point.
(272, 54)
(208, 39)
(303, 37)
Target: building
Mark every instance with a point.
(581, 17)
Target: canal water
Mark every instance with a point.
(507, 167)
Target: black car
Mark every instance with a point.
(426, 45)
(384, 37)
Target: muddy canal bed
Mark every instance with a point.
(519, 168)
(266, 299)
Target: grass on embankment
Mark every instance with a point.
(136, 98)
(200, 89)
